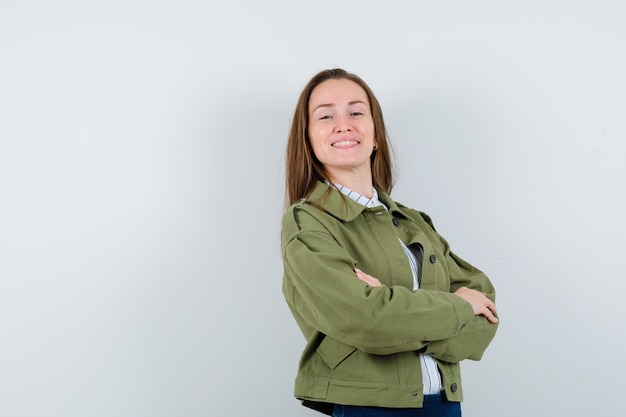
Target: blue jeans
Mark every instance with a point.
(435, 405)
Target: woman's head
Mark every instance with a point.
(303, 167)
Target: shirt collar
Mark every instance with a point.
(361, 199)
(327, 198)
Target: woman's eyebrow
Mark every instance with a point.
(322, 106)
(351, 103)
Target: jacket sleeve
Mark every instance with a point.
(324, 295)
(472, 339)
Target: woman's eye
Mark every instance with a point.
(325, 117)
(357, 113)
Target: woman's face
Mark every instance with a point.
(341, 128)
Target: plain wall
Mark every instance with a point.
(141, 190)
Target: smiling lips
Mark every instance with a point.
(343, 143)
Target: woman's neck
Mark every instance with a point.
(360, 183)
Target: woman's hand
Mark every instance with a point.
(480, 303)
(368, 279)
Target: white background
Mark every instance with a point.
(141, 189)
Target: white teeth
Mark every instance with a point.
(345, 143)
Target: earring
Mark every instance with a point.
(376, 146)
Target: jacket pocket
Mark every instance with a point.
(334, 352)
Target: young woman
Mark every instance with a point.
(388, 311)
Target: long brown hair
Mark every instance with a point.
(303, 169)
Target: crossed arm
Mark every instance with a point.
(481, 305)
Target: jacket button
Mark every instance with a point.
(454, 387)
(396, 222)
(433, 259)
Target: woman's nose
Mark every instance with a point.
(343, 125)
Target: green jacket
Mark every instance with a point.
(363, 343)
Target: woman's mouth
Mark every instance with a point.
(345, 143)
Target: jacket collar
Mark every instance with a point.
(333, 202)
